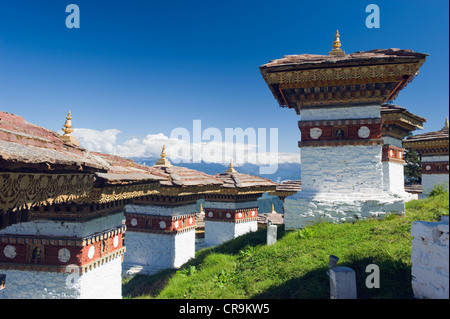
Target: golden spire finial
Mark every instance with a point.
(68, 125)
(163, 161)
(230, 168)
(273, 210)
(67, 129)
(446, 121)
(336, 45)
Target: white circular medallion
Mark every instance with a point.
(10, 251)
(162, 224)
(428, 167)
(116, 241)
(253, 213)
(240, 215)
(176, 224)
(210, 214)
(190, 221)
(91, 252)
(63, 255)
(133, 222)
(315, 133)
(363, 132)
(228, 215)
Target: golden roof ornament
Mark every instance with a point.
(163, 161)
(273, 210)
(336, 46)
(446, 122)
(230, 168)
(68, 125)
(67, 129)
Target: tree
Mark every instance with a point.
(413, 167)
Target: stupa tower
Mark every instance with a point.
(433, 148)
(339, 98)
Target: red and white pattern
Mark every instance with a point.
(231, 215)
(160, 224)
(45, 253)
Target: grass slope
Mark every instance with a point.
(296, 266)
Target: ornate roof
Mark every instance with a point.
(398, 122)
(122, 171)
(232, 179)
(339, 79)
(431, 143)
(182, 176)
(357, 58)
(26, 145)
(290, 186)
(29, 147)
(430, 136)
(391, 109)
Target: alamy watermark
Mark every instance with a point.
(373, 19)
(73, 19)
(239, 145)
(373, 279)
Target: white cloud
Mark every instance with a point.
(98, 141)
(180, 150)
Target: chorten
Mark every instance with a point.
(433, 148)
(162, 226)
(339, 98)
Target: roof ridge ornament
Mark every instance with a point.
(68, 125)
(273, 210)
(446, 122)
(336, 46)
(67, 129)
(230, 168)
(163, 161)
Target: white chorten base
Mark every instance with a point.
(103, 282)
(430, 180)
(147, 253)
(393, 180)
(217, 232)
(303, 209)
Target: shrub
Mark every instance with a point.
(439, 189)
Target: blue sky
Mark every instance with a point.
(146, 67)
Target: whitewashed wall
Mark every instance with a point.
(160, 210)
(103, 282)
(217, 233)
(341, 113)
(342, 169)
(392, 141)
(65, 228)
(430, 259)
(230, 205)
(393, 177)
(149, 252)
(429, 180)
(302, 209)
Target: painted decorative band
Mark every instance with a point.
(435, 168)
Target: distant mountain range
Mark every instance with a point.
(285, 171)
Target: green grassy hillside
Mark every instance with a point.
(296, 266)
